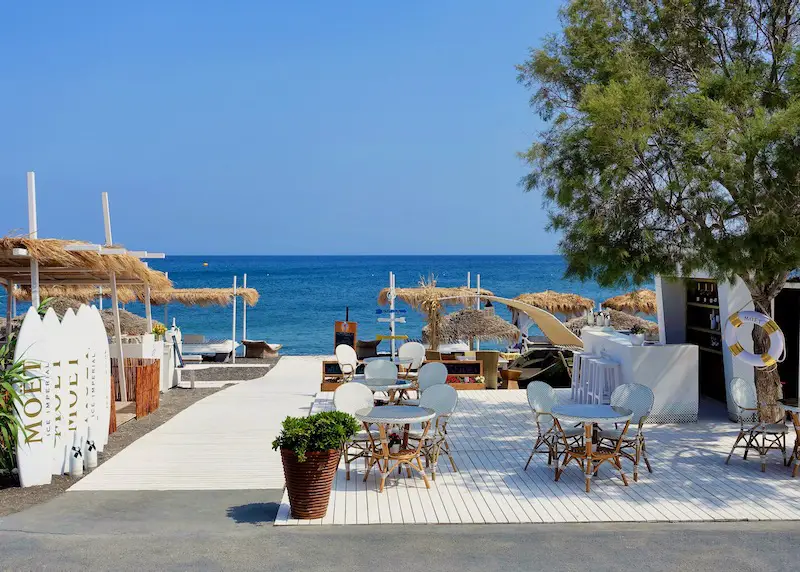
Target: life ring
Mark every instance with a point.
(776, 340)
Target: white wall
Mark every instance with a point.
(671, 296)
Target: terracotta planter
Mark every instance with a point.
(309, 484)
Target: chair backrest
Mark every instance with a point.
(380, 369)
(743, 393)
(541, 397)
(443, 399)
(350, 397)
(430, 374)
(414, 351)
(346, 356)
(490, 360)
(636, 397)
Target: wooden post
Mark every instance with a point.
(233, 335)
(123, 388)
(33, 232)
(244, 310)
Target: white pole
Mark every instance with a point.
(9, 311)
(11, 287)
(244, 310)
(33, 232)
(148, 310)
(391, 312)
(469, 280)
(233, 334)
(478, 284)
(101, 298)
(123, 387)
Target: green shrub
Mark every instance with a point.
(319, 432)
(11, 375)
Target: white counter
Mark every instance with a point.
(671, 371)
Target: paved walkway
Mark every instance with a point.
(223, 442)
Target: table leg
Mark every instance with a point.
(589, 466)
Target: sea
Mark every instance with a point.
(302, 296)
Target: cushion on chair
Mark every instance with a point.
(772, 428)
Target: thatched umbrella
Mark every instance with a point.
(470, 323)
(619, 321)
(130, 323)
(641, 301)
(126, 295)
(557, 302)
(429, 299)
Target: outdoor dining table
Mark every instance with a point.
(381, 455)
(589, 454)
(792, 406)
(392, 387)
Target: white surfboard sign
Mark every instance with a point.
(60, 389)
(35, 442)
(104, 399)
(88, 346)
(76, 378)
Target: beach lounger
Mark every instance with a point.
(260, 349)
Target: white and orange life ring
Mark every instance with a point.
(776, 339)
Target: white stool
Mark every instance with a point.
(605, 376)
(580, 362)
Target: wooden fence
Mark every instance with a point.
(143, 383)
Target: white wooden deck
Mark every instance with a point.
(221, 442)
(491, 435)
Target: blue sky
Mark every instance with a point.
(258, 127)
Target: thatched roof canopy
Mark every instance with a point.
(65, 267)
(126, 295)
(414, 297)
(470, 323)
(619, 321)
(203, 296)
(557, 302)
(643, 301)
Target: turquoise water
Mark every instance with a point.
(302, 296)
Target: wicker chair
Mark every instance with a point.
(430, 374)
(349, 398)
(348, 361)
(414, 351)
(443, 399)
(542, 398)
(763, 436)
(639, 399)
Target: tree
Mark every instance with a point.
(673, 142)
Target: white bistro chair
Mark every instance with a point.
(639, 399)
(443, 399)
(762, 436)
(349, 398)
(542, 398)
(348, 361)
(414, 351)
(380, 369)
(430, 374)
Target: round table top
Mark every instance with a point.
(791, 405)
(395, 414)
(384, 384)
(396, 360)
(588, 413)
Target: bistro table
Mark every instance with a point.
(589, 454)
(392, 387)
(792, 406)
(381, 455)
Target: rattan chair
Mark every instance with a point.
(763, 436)
(443, 399)
(430, 374)
(414, 351)
(639, 399)
(542, 398)
(349, 398)
(348, 361)
(380, 369)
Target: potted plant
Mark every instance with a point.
(637, 335)
(310, 450)
(159, 330)
(394, 442)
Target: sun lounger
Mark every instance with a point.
(260, 349)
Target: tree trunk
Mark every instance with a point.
(768, 382)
